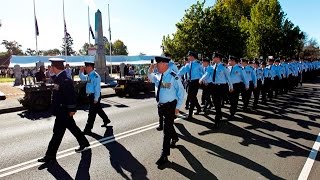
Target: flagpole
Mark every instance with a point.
(36, 24)
(110, 39)
(89, 25)
(65, 33)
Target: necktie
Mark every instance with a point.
(214, 73)
(159, 86)
(231, 69)
(190, 71)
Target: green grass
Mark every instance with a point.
(3, 80)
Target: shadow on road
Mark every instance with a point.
(121, 159)
(58, 172)
(225, 154)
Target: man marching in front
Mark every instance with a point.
(170, 94)
(93, 90)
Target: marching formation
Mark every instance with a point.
(222, 80)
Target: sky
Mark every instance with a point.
(140, 24)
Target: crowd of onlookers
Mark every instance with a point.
(7, 73)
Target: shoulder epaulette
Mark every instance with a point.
(96, 75)
(172, 73)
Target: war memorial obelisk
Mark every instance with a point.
(100, 58)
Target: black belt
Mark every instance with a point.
(90, 94)
(161, 105)
(195, 80)
(219, 84)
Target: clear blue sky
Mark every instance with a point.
(139, 23)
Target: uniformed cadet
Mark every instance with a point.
(206, 82)
(285, 75)
(225, 98)
(93, 90)
(170, 94)
(185, 81)
(260, 81)
(273, 77)
(173, 67)
(251, 76)
(64, 108)
(278, 78)
(195, 71)
(239, 81)
(221, 85)
(267, 82)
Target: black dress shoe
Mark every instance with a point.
(47, 160)
(190, 117)
(106, 124)
(82, 148)
(173, 143)
(162, 161)
(159, 128)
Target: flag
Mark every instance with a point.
(92, 34)
(36, 26)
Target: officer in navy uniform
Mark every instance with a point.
(221, 85)
(206, 82)
(170, 96)
(251, 75)
(93, 90)
(240, 84)
(260, 81)
(64, 107)
(195, 71)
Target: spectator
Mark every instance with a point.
(40, 75)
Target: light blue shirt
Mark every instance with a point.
(251, 75)
(222, 75)
(69, 72)
(259, 74)
(277, 70)
(173, 66)
(171, 87)
(196, 70)
(207, 76)
(93, 83)
(237, 75)
(272, 71)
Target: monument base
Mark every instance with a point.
(104, 74)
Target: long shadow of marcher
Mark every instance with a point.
(58, 172)
(121, 159)
(55, 170)
(226, 154)
(200, 171)
(84, 165)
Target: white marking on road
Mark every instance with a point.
(309, 163)
(93, 144)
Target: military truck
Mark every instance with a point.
(133, 86)
(38, 96)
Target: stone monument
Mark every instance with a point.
(122, 65)
(100, 58)
(17, 75)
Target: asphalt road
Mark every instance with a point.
(270, 143)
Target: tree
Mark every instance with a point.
(264, 29)
(119, 48)
(69, 44)
(30, 52)
(84, 49)
(311, 50)
(51, 52)
(12, 47)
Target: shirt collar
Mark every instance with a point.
(59, 73)
(166, 72)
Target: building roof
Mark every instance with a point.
(30, 61)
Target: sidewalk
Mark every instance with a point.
(11, 103)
